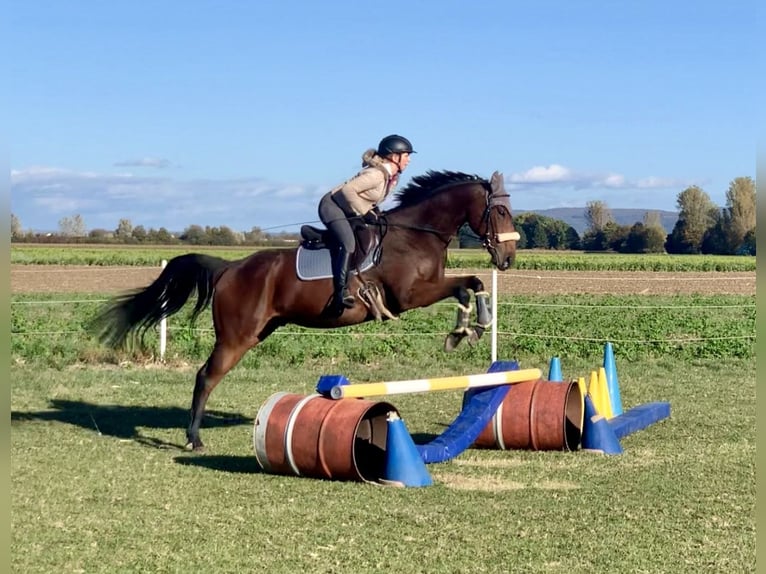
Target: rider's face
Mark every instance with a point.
(404, 160)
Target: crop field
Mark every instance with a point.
(101, 481)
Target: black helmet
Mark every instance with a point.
(394, 144)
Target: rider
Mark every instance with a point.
(359, 197)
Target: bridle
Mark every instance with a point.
(495, 195)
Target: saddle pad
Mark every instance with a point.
(311, 264)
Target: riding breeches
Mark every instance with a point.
(336, 221)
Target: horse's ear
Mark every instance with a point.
(496, 183)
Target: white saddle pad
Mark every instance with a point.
(311, 264)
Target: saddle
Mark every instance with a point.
(368, 241)
(313, 260)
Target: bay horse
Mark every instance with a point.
(253, 296)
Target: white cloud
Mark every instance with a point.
(542, 174)
(556, 185)
(60, 204)
(614, 180)
(155, 162)
(40, 196)
(662, 182)
(564, 176)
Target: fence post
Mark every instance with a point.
(494, 315)
(163, 327)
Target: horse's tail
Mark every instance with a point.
(140, 310)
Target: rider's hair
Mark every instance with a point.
(370, 158)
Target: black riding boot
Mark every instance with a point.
(341, 297)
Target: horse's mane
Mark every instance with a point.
(424, 186)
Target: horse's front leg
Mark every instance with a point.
(462, 328)
(430, 292)
(459, 288)
(483, 312)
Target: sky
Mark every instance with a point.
(244, 114)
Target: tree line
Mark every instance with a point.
(702, 227)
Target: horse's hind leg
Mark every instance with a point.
(221, 361)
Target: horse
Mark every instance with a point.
(253, 296)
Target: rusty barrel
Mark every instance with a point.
(536, 415)
(322, 438)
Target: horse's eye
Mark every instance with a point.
(502, 212)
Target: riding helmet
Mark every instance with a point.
(394, 144)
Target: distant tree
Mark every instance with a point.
(613, 236)
(16, 231)
(72, 226)
(194, 235)
(597, 215)
(221, 236)
(654, 233)
(748, 244)
(697, 214)
(99, 234)
(655, 239)
(257, 237)
(635, 241)
(542, 232)
(714, 240)
(652, 219)
(536, 235)
(739, 214)
(139, 233)
(573, 239)
(522, 242)
(594, 240)
(124, 230)
(617, 236)
(160, 236)
(557, 234)
(643, 239)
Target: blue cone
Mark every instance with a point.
(612, 382)
(554, 371)
(404, 465)
(597, 434)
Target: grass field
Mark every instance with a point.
(100, 482)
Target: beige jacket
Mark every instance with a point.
(366, 189)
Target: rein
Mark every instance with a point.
(412, 227)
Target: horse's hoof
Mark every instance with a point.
(195, 447)
(452, 341)
(479, 331)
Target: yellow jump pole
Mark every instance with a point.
(440, 384)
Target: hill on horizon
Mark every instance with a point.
(575, 216)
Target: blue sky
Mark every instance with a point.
(243, 114)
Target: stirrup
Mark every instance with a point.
(347, 299)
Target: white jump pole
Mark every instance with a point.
(494, 315)
(439, 384)
(163, 327)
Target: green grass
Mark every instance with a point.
(51, 330)
(100, 483)
(457, 258)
